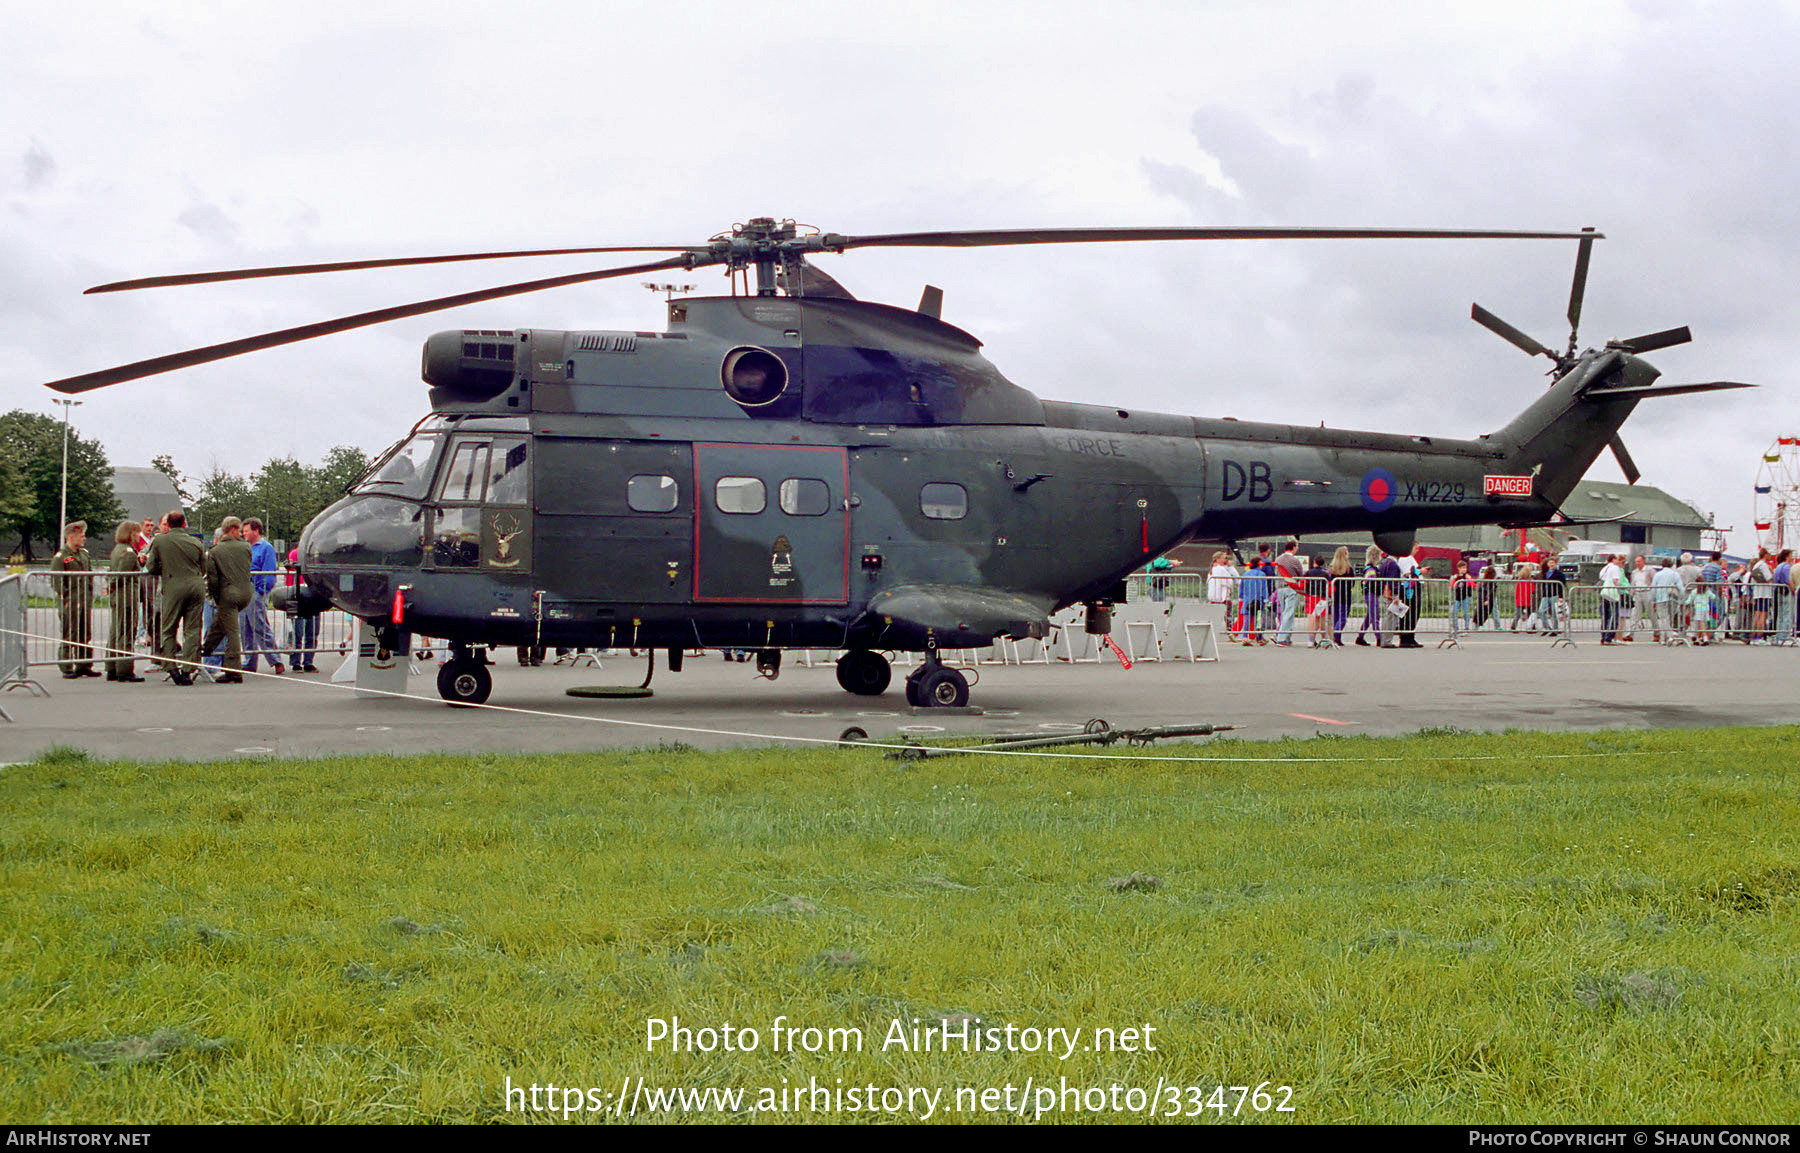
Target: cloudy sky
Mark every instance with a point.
(150, 138)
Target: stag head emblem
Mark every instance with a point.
(506, 526)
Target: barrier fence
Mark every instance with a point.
(68, 618)
(15, 668)
(1377, 610)
(70, 621)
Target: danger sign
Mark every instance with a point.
(1506, 485)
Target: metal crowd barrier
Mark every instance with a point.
(87, 602)
(1167, 616)
(1446, 611)
(14, 637)
(1713, 612)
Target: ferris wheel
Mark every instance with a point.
(1778, 495)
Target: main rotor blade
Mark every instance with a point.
(232, 348)
(1626, 464)
(1650, 342)
(1006, 236)
(1507, 332)
(1578, 288)
(351, 265)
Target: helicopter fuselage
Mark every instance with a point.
(776, 473)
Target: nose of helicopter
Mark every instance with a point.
(351, 551)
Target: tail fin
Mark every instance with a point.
(1559, 436)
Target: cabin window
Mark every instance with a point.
(652, 494)
(740, 495)
(805, 496)
(943, 501)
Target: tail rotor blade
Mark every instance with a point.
(1650, 342)
(1626, 464)
(1507, 332)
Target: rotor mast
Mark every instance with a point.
(776, 249)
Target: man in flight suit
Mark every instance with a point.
(228, 585)
(180, 561)
(75, 601)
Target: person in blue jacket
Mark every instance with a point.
(258, 637)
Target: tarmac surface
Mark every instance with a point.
(1494, 683)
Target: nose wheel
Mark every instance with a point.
(464, 679)
(934, 685)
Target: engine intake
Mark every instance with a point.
(471, 365)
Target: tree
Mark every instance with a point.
(33, 444)
(221, 495)
(166, 465)
(343, 464)
(286, 495)
(15, 493)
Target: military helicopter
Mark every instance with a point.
(789, 467)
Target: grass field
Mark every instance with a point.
(1441, 928)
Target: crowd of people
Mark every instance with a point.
(1685, 601)
(196, 606)
(1285, 598)
(192, 601)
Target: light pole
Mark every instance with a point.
(62, 513)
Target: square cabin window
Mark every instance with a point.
(804, 496)
(943, 501)
(740, 495)
(652, 494)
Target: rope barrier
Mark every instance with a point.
(833, 741)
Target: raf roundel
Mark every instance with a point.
(1378, 490)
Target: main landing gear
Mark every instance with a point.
(464, 678)
(865, 673)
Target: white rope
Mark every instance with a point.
(833, 741)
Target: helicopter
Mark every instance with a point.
(788, 467)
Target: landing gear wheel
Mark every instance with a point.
(943, 688)
(464, 681)
(864, 673)
(912, 686)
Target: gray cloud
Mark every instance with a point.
(210, 223)
(38, 166)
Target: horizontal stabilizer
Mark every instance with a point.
(1642, 392)
(1565, 522)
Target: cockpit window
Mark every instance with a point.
(406, 471)
(464, 476)
(508, 480)
(487, 471)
